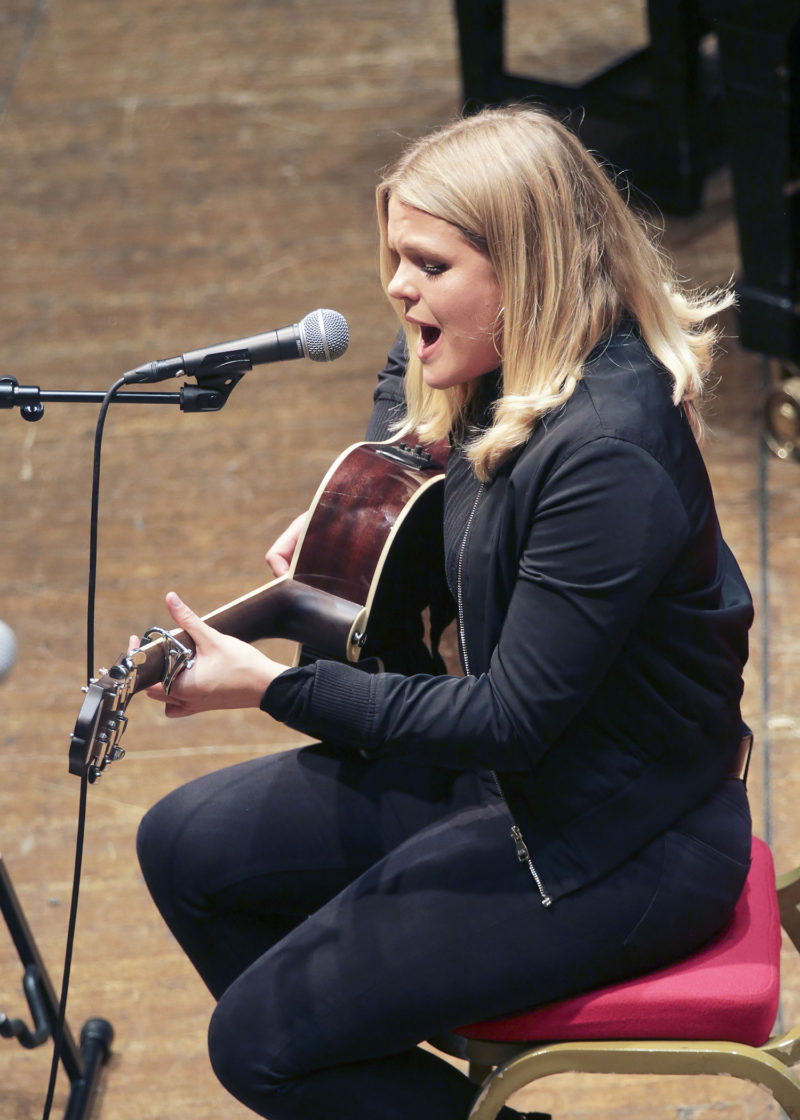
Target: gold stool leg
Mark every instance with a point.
(689, 1058)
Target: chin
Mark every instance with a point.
(434, 380)
(446, 380)
(442, 378)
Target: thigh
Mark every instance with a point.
(706, 860)
(303, 823)
(446, 929)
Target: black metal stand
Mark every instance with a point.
(207, 396)
(83, 1062)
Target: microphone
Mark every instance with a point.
(8, 650)
(321, 336)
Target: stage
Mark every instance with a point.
(174, 176)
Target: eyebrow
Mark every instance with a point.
(425, 250)
(416, 248)
(416, 243)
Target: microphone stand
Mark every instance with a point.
(210, 394)
(83, 1062)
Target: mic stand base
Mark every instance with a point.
(82, 1063)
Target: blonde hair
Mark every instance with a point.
(571, 259)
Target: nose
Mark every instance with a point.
(401, 285)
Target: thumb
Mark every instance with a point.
(185, 617)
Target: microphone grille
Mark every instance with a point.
(8, 650)
(325, 335)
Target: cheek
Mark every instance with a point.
(479, 345)
(487, 306)
(483, 321)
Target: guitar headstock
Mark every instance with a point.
(101, 721)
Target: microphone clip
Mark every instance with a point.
(217, 377)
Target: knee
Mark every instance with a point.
(240, 1055)
(224, 1051)
(155, 846)
(147, 840)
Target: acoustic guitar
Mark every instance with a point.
(362, 573)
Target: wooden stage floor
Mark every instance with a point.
(177, 174)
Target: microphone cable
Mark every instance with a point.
(58, 1032)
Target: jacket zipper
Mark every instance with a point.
(523, 855)
(461, 632)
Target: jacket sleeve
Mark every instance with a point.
(607, 527)
(389, 398)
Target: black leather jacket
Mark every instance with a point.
(605, 630)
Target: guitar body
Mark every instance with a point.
(374, 537)
(368, 562)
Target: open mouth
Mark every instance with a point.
(429, 334)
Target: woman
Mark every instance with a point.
(566, 813)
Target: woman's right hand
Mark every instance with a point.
(279, 555)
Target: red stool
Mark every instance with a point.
(711, 1013)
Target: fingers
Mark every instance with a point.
(175, 710)
(225, 673)
(187, 620)
(279, 564)
(174, 706)
(179, 611)
(280, 555)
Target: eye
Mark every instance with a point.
(433, 268)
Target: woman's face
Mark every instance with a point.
(449, 290)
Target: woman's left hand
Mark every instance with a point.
(226, 673)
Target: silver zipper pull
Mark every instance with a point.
(523, 855)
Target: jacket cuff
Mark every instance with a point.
(326, 700)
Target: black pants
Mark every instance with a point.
(342, 911)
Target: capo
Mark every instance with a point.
(177, 656)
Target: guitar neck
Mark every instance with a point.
(375, 518)
(283, 608)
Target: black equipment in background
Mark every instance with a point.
(718, 82)
(655, 112)
(759, 50)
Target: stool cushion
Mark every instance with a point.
(727, 991)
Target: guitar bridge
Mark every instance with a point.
(177, 656)
(418, 458)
